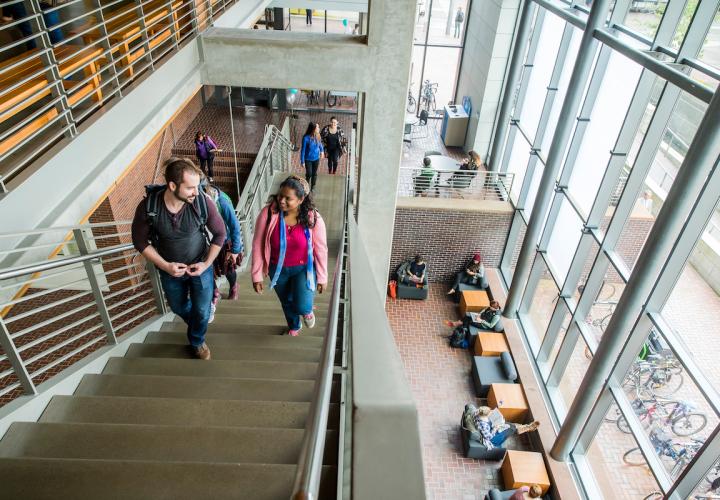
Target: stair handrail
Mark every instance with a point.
(309, 471)
(259, 181)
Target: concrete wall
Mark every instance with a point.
(490, 29)
(448, 232)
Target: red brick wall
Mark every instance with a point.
(448, 239)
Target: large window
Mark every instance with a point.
(654, 427)
(437, 50)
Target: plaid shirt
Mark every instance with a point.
(486, 431)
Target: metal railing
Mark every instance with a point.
(78, 289)
(459, 184)
(66, 61)
(274, 156)
(309, 471)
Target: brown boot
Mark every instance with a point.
(523, 428)
(202, 352)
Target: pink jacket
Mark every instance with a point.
(261, 246)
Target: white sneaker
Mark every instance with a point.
(212, 312)
(309, 320)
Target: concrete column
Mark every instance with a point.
(390, 32)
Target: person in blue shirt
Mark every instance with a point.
(227, 260)
(311, 152)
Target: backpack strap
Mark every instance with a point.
(152, 209)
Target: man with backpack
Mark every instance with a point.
(459, 18)
(170, 229)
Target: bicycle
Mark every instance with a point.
(427, 98)
(658, 375)
(411, 102)
(664, 447)
(680, 419)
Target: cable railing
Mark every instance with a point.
(458, 184)
(66, 61)
(76, 292)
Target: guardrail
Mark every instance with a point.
(87, 289)
(274, 156)
(67, 61)
(459, 184)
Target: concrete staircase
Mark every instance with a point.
(157, 424)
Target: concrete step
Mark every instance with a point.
(65, 479)
(182, 412)
(225, 352)
(248, 340)
(237, 329)
(254, 318)
(155, 386)
(213, 368)
(159, 443)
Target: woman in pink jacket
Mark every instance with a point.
(290, 246)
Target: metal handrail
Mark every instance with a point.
(309, 471)
(16, 272)
(456, 183)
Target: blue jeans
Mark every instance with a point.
(499, 438)
(189, 297)
(291, 288)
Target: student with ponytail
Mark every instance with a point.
(290, 247)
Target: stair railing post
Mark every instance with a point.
(95, 286)
(156, 284)
(15, 360)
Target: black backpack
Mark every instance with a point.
(153, 197)
(459, 337)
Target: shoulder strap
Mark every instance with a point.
(152, 208)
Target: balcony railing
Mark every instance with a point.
(67, 61)
(459, 184)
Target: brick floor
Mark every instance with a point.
(440, 380)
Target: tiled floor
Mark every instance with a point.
(440, 380)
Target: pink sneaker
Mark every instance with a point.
(294, 333)
(309, 320)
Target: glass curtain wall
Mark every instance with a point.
(654, 428)
(437, 51)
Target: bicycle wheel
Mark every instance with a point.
(623, 425)
(607, 292)
(687, 425)
(664, 382)
(411, 104)
(655, 495)
(634, 457)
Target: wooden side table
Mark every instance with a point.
(491, 344)
(473, 301)
(524, 468)
(510, 400)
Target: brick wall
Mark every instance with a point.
(447, 236)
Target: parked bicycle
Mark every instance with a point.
(411, 102)
(657, 375)
(427, 96)
(675, 415)
(680, 453)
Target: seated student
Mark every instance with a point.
(416, 271)
(425, 179)
(468, 170)
(473, 274)
(534, 491)
(477, 421)
(489, 317)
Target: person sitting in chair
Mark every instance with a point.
(425, 179)
(467, 172)
(477, 421)
(534, 491)
(416, 271)
(473, 274)
(489, 317)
